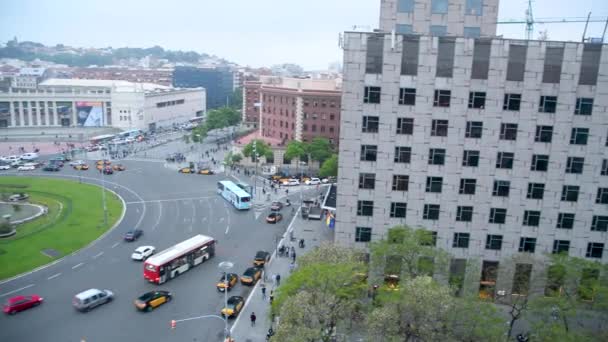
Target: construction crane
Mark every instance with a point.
(530, 21)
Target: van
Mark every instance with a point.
(87, 300)
(29, 156)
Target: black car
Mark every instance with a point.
(151, 300)
(261, 258)
(133, 235)
(52, 167)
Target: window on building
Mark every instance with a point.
(527, 244)
(579, 136)
(547, 104)
(332, 117)
(442, 98)
(602, 196)
(464, 213)
(516, 65)
(604, 171)
(477, 99)
(531, 218)
(599, 223)
(474, 129)
(512, 102)
(305, 127)
(570, 193)
(398, 209)
(365, 208)
(407, 96)
(371, 95)
(494, 242)
(595, 250)
(552, 70)
(405, 126)
(508, 131)
(536, 191)
(498, 215)
(521, 279)
(438, 30)
(561, 246)
(439, 6)
(401, 182)
(370, 124)
(369, 152)
(543, 134)
(501, 188)
(404, 29)
(461, 240)
(431, 212)
(331, 129)
(367, 180)
(473, 7)
(470, 158)
(445, 57)
(434, 184)
(467, 186)
(373, 61)
(590, 64)
(504, 160)
(405, 6)
(403, 154)
(409, 57)
(540, 162)
(481, 59)
(363, 234)
(439, 128)
(437, 156)
(575, 165)
(313, 127)
(584, 106)
(472, 32)
(565, 221)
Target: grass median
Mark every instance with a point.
(75, 218)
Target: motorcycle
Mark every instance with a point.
(269, 334)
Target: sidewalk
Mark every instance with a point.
(314, 233)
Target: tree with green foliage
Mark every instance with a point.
(236, 98)
(329, 168)
(319, 295)
(319, 149)
(5, 227)
(199, 133)
(222, 117)
(263, 149)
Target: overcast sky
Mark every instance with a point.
(248, 32)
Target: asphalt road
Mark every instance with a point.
(170, 208)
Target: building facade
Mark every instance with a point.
(294, 108)
(497, 146)
(99, 103)
(463, 18)
(162, 76)
(218, 83)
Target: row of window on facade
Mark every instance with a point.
(477, 100)
(169, 103)
(495, 242)
(471, 7)
(307, 103)
(516, 65)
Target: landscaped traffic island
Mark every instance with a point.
(73, 218)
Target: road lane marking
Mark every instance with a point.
(221, 219)
(169, 200)
(97, 255)
(227, 230)
(116, 244)
(17, 290)
(78, 265)
(160, 214)
(54, 276)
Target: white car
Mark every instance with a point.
(5, 167)
(291, 182)
(26, 168)
(313, 181)
(77, 162)
(10, 159)
(29, 156)
(143, 253)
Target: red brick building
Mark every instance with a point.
(294, 109)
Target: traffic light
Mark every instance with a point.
(173, 324)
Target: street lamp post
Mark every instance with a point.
(255, 174)
(103, 194)
(225, 266)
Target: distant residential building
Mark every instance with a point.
(99, 103)
(294, 108)
(28, 78)
(217, 81)
(162, 76)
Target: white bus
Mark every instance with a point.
(238, 197)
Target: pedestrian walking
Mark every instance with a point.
(291, 267)
(252, 317)
(293, 256)
(271, 296)
(263, 291)
(278, 280)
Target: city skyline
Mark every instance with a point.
(305, 34)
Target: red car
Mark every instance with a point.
(20, 303)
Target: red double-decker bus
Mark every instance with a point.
(178, 259)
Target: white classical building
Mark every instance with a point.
(498, 146)
(99, 103)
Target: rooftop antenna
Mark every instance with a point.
(586, 24)
(529, 21)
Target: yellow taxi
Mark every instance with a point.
(119, 167)
(232, 280)
(102, 162)
(205, 172)
(81, 167)
(251, 275)
(234, 307)
(186, 170)
(153, 299)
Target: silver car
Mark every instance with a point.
(87, 300)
